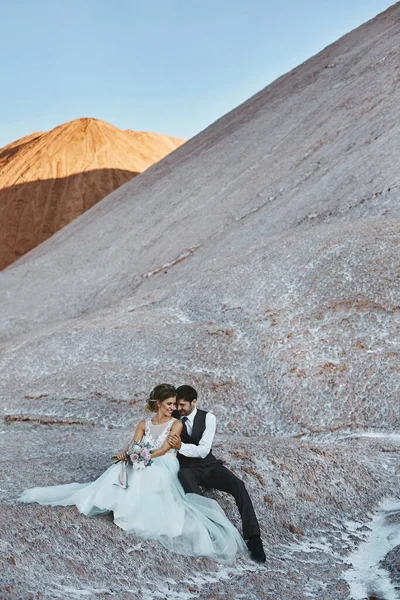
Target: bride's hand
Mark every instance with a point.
(121, 455)
(174, 441)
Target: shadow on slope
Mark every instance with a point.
(31, 212)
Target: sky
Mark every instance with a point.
(170, 66)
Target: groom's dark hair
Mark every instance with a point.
(186, 392)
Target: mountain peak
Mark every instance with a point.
(48, 179)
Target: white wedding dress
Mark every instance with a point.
(153, 506)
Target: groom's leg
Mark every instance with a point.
(220, 478)
(191, 479)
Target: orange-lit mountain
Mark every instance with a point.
(48, 179)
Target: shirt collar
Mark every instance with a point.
(192, 415)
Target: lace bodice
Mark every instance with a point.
(156, 435)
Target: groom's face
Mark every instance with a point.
(184, 407)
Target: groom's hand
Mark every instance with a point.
(174, 441)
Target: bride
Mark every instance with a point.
(150, 502)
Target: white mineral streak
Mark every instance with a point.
(366, 577)
(167, 265)
(390, 437)
(64, 591)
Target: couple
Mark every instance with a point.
(164, 502)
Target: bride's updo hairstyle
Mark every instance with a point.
(160, 393)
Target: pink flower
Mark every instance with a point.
(145, 454)
(134, 457)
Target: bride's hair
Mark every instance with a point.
(161, 392)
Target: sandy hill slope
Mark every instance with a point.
(49, 179)
(259, 262)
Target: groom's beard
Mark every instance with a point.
(184, 413)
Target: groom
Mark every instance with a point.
(199, 467)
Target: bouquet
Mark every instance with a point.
(138, 455)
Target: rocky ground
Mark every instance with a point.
(314, 498)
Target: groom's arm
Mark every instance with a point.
(205, 443)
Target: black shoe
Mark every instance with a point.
(256, 549)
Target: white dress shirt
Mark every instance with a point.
(205, 443)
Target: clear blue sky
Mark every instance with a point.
(172, 66)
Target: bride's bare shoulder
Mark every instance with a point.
(141, 426)
(176, 425)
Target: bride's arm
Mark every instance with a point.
(175, 430)
(137, 437)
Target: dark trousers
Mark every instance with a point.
(215, 475)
